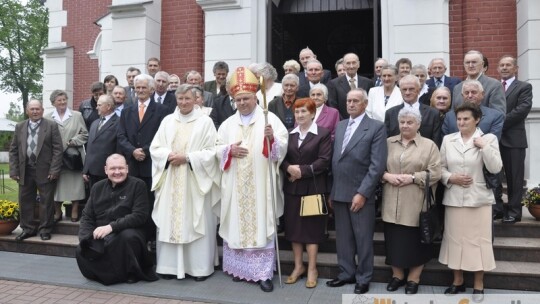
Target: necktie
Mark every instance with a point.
(133, 95)
(141, 111)
(233, 104)
(504, 85)
(347, 136)
(159, 99)
(352, 83)
(101, 123)
(438, 82)
(378, 82)
(386, 100)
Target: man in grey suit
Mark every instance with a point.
(35, 160)
(217, 86)
(430, 127)
(513, 142)
(101, 140)
(358, 162)
(339, 87)
(131, 96)
(195, 78)
(493, 91)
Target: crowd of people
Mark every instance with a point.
(170, 160)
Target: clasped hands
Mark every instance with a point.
(398, 180)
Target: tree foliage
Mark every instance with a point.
(15, 113)
(23, 35)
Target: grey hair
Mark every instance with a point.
(474, 83)
(437, 59)
(390, 67)
(292, 63)
(419, 67)
(323, 88)
(290, 77)
(410, 78)
(314, 61)
(267, 71)
(108, 99)
(162, 73)
(57, 93)
(148, 78)
(184, 88)
(410, 112)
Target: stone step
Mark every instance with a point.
(518, 275)
(507, 275)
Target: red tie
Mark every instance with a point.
(504, 85)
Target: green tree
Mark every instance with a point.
(23, 35)
(15, 113)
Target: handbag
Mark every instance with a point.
(315, 204)
(72, 159)
(493, 180)
(430, 227)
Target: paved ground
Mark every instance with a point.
(28, 278)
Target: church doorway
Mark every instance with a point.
(331, 28)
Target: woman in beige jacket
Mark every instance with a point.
(410, 157)
(467, 239)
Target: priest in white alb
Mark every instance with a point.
(185, 178)
(247, 217)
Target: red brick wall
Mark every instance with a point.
(80, 33)
(486, 26)
(182, 37)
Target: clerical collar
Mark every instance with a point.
(246, 119)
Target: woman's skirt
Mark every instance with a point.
(467, 239)
(403, 247)
(302, 229)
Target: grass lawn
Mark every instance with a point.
(9, 189)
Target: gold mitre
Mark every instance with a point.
(243, 81)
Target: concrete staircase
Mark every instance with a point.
(517, 253)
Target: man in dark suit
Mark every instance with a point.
(437, 68)
(513, 142)
(119, 97)
(101, 140)
(314, 70)
(492, 120)
(358, 163)
(493, 90)
(35, 160)
(377, 69)
(223, 107)
(153, 65)
(136, 129)
(305, 56)
(339, 87)
(88, 106)
(430, 126)
(131, 96)
(161, 94)
(217, 86)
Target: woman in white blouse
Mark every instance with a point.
(386, 96)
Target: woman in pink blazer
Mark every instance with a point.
(325, 116)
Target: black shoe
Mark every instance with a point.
(510, 220)
(453, 289)
(395, 284)
(131, 279)
(498, 216)
(167, 276)
(45, 236)
(24, 236)
(200, 279)
(236, 279)
(339, 283)
(411, 288)
(477, 295)
(361, 288)
(266, 285)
